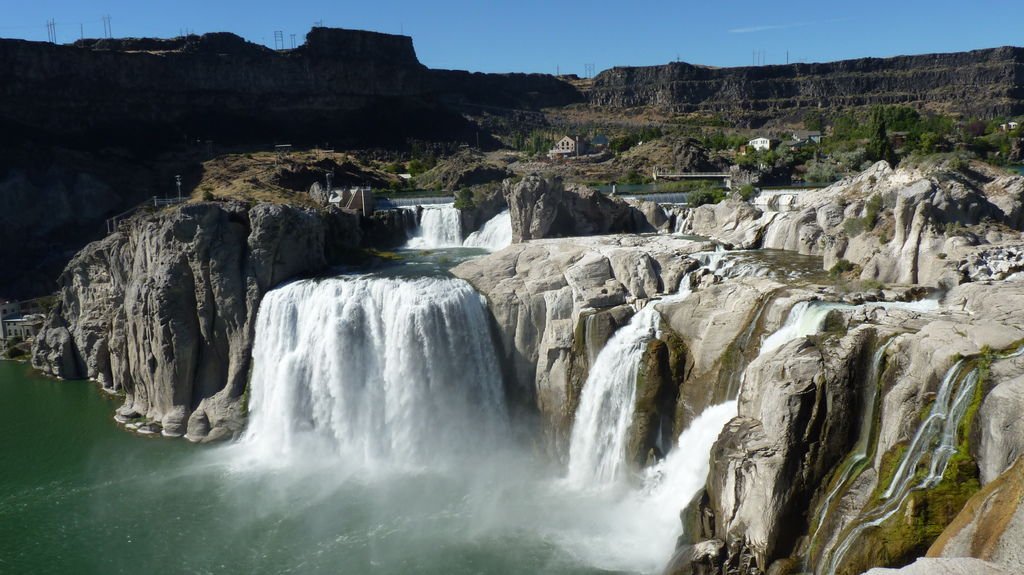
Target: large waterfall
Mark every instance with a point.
(374, 369)
(494, 235)
(440, 227)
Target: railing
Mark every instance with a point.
(161, 202)
(392, 203)
(114, 222)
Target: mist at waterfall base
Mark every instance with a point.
(378, 413)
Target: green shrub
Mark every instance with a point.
(855, 226)
(464, 199)
(871, 211)
(704, 196)
(747, 192)
(841, 267)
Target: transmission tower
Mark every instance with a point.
(278, 40)
(293, 40)
(51, 31)
(588, 70)
(106, 27)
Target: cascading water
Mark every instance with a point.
(440, 227)
(494, 235)
(374, 369)
(936, 436)
(598, 444)
(854, 463)
(804, 319)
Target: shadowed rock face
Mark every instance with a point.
(984, 83)
(165, 309)
(343, 86)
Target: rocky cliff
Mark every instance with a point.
(163, 311)
(984, 83)
(342, 86)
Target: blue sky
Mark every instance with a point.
(549, 36)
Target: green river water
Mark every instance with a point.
(80, 495)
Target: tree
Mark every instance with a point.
(879, 147)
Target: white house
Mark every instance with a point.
(567, 147)
(760, 144)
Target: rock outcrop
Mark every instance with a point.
(917, 225)
(541, 293)
(545, 208)
(164, 310)
(783, 491)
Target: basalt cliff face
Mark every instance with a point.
(343, 86)
(163, 311)
(982, 83)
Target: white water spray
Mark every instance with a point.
(597, 449)
(371, 370)
(440, 227)
(494, 235)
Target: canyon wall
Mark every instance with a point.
(983, 83)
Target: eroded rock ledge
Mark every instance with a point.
(164, 310)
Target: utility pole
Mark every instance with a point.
(81, 31)
(51, 31)
(278, 40)
(106, 26)
(177, 182)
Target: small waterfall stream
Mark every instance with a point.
(858, 458)
(936, 438)
(495, 234)
(440, 227)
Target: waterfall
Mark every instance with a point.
(440, 227)
(936, 436)
(371, 369)
(598, 444)
(597, 447)
(804, 319)
(494, 235)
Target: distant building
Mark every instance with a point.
(355, 199)
(762, 144)
(599, 142)
(15, 323)
(567, 147)
(807, 136)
